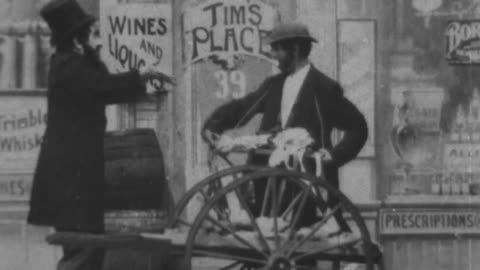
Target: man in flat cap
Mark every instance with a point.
(299, 96)
(69, 185)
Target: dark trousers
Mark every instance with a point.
(81, 258)
(309, 211)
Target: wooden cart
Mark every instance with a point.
(227, 232)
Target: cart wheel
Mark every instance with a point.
(205, 190)
(278, 233)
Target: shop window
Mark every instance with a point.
(24, 56)
(24, 53)
(433, 133)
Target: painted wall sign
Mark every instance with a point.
(416, 125)
(22, 123)
(226, 58)
(15, 186)
(224, 29)
(134, 35)
(137, 34)
(24, 52)
(463, 42)
(429, 221)
(356, 45)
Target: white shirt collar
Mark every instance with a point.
(291, 88)
(301, 73)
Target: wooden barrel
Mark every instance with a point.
(134, 170)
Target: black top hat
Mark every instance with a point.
(65, 17)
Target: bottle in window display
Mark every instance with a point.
(475, 132)
(436, 181)
(455, 184)
(457, 126)
(462, 125)
(467, 180)
(445, 187)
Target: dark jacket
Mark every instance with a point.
(320, 107)
(68, 184)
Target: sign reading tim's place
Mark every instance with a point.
(429, 221)
(135, 35)
(225, 28)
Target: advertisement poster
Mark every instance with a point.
(463, 42)
(135, 35)
(22, 124)
(227, 57)
(356, 45)
(416, 140)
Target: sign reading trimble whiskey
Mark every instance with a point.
(463, 42)
(22, 123)
(429, 221)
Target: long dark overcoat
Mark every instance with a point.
(68, 185)
(320, 106)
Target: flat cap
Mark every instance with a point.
(290, 31)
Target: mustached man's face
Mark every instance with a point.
(285, 58)
(94, 40)
(90, 38)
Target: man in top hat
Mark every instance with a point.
(68, 185)
(299, 96)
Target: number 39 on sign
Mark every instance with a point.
(232, 84)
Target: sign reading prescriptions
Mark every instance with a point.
(135, 35)
(225, 29)
(429, 221)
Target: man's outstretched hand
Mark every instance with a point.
(159, 79)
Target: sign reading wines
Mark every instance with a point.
(135, 35)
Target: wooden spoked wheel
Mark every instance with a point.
(206, 189)
(275, 233)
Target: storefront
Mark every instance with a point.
(429, 216)
(409, 65)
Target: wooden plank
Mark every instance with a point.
(415, 252)
(430, 247)
(388, 255)
(445, 251)
(475, 258)
(320, 17)
(462, 254)
(400, 255)
(132, 241)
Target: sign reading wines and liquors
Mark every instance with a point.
(463, 42)
(135, 35)
(414, 221)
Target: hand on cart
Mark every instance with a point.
(288, 148)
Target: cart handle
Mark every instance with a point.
(319, 156)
